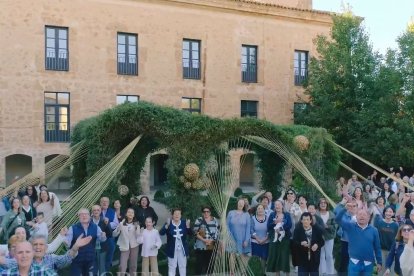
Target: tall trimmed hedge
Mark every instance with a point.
(188, 138)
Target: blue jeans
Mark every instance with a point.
(99, 267)
(110, 253)
(360, 269)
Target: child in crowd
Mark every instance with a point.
(151, 242)
(40, 227)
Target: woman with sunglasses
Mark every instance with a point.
(396, 250)
(206, 229)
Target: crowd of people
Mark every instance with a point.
(374, 222)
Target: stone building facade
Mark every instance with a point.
(63, 61)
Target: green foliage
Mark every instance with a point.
(159, 195)
(188, 138)
(361, 98)
(238, 192)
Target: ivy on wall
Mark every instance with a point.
(188, 138)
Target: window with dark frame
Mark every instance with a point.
(298, 109)
(120, 99)
(191, 59)
(56, 48)
(248, 109)
(249, 63)
(127, 54)
(192, 105)
(57, 117)
(300, 65)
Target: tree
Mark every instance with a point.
(358, 96)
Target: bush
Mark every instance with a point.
(238, 192)
(159, 196)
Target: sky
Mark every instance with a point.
(385, 20)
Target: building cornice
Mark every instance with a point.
(251, 7)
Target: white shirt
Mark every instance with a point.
(151, 242)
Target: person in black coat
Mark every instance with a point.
(309, 241)
(144, 210)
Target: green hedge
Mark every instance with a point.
(188, 138)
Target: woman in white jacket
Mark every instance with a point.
(128, 231)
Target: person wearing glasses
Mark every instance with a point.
(397, 249)
(206, 229)
(364, 245)
(349, 215)
(407, 256)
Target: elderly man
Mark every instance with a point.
(108, 215)
(25, 265)
(101, 247)
(364, 246)
(52, 261)
(51, 247)
(83, 263)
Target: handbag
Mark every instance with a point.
(203, 234)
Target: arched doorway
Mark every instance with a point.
(247, 170)
(17, 166)
(158, 170)
(61, 182)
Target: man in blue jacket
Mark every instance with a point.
(364, 244)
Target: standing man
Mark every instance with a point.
(108, 215)
(101, 247)
(84, 261)
(25, 265)
(364, 246)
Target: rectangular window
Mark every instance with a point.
(127, 54)
(249, 109)
(300, 65)
(120, 99)
(191, 59)
(298, 110)
(56, 48)
(57, 117)
(192, 105)
(249, 63)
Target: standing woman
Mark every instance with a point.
(260, 238)
(45, 205)
(359, 198)
(118, 212)
(128, 231)
(386, 192)
(12, 219)
(309, 240)
(206, 229)
(177, 231)
(387, 229)
(279, 246)
(238, 223)
(327, 261)
(144, 210)
(29, 212)
(32, 193)
(396, 250)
